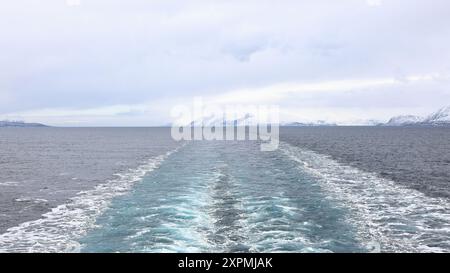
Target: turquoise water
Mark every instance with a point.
(222, 196)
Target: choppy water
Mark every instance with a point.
(41, 168)
(416, 157)
(231, 197)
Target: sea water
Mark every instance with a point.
(313, 194)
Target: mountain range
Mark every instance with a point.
(439, 118)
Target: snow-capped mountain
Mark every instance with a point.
(439, 118)
(247, 119)
(404, 120)
(316, 123)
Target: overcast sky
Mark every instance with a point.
(126, 63)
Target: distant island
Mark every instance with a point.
(6, 123)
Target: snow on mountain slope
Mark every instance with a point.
(439, 118)
(307, 124)
(247, 119)
(404, 120)
(442, 116)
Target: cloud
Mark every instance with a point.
(73, 3)
(374, 2)
(348, 101)
(284, 91)
(243, 52)
(104, 53)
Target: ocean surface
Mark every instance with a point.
(336, 189)
(41, 168)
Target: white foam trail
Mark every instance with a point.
(59, 229)
(189, 235)
(31, 200)
(266, 234)
(398, 218)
